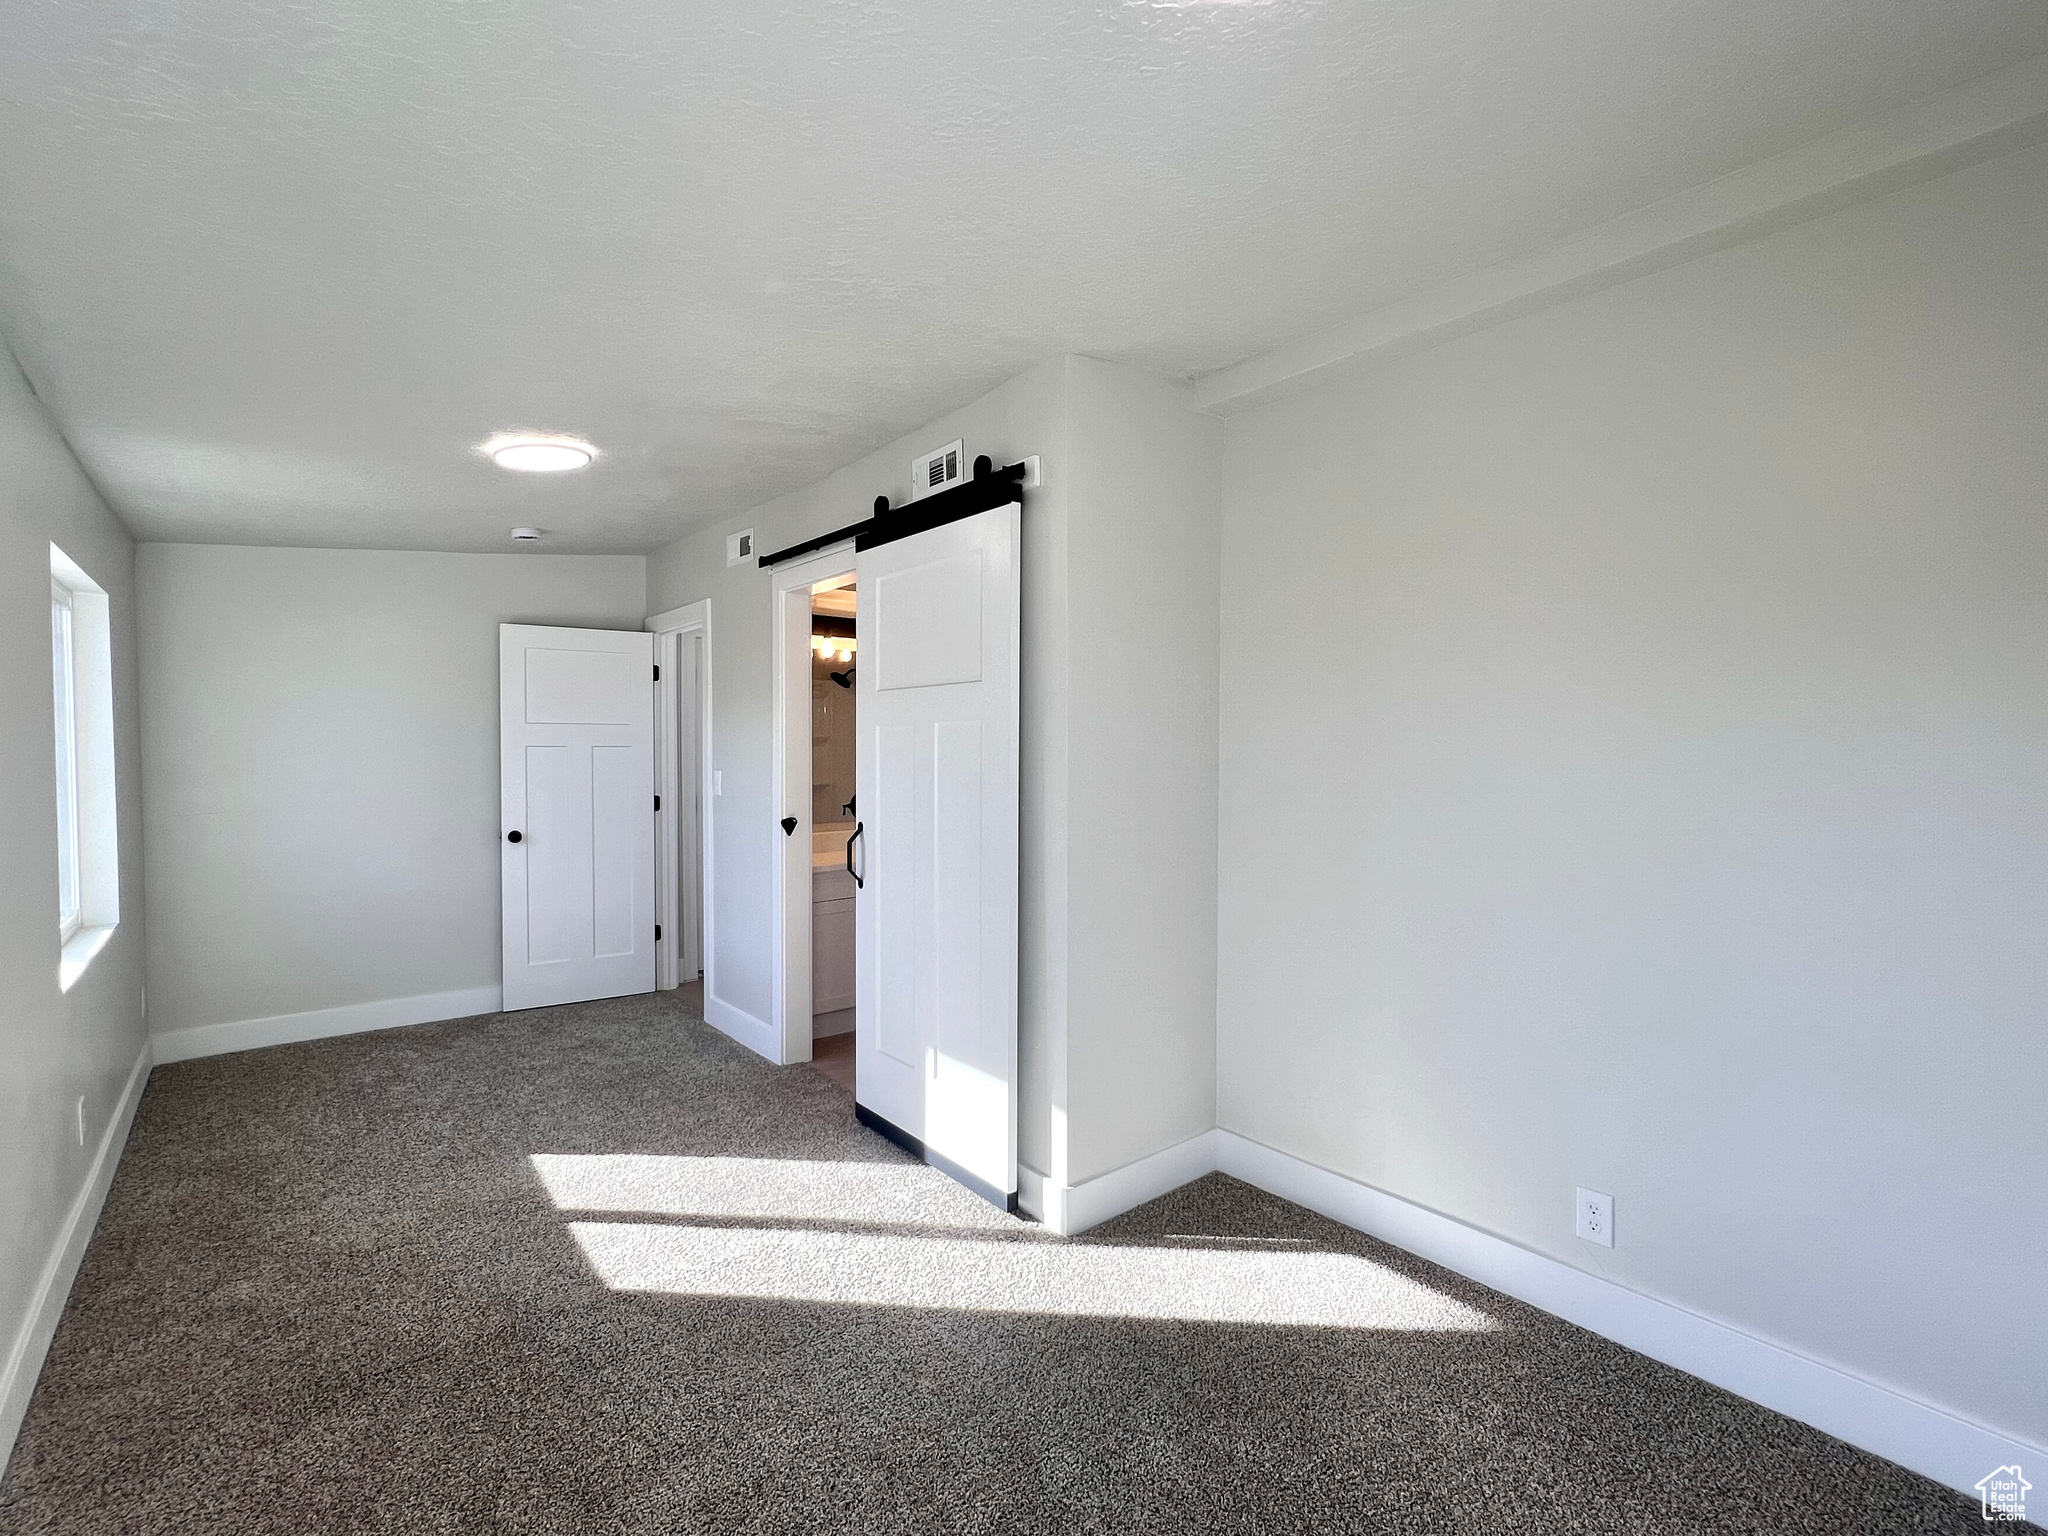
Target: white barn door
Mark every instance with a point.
(936, 913)
(576, 757)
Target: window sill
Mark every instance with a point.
(78, 953)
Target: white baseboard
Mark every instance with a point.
(755, 1034)
(320, 1023)
(1917, 1435)
(1067, 1209)
(1929, 1440)
(1031, 1192)
(53, 1287)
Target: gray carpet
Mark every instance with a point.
(598, 1269)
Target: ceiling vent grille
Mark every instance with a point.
(936, 470)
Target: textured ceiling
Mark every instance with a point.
(278, 266)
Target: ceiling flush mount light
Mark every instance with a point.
(525, 535)
(538, 453)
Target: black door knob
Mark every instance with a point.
(789, 826)
(513, 837)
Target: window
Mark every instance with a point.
(88, 843)
(64, 656)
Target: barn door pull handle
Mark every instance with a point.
(789, 826)
(858, 828)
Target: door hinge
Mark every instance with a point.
(657, 672)
(657, 802)
(657, 933)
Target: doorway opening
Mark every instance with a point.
(814, 757)
(834, 816)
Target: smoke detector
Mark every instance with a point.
(525, 535)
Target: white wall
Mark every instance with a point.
(1633, 776)
(55, 1045)
(321, 767)
(1143, 508)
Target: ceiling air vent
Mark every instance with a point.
(936, 470)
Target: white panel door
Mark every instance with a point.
(936, 917)
(576, 759)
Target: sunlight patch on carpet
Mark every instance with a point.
(1280, 1288)
(764, 1188)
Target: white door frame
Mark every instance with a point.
(671, 904)
(790, 794)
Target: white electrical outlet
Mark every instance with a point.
(1596, 1217)
(81, 1119)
